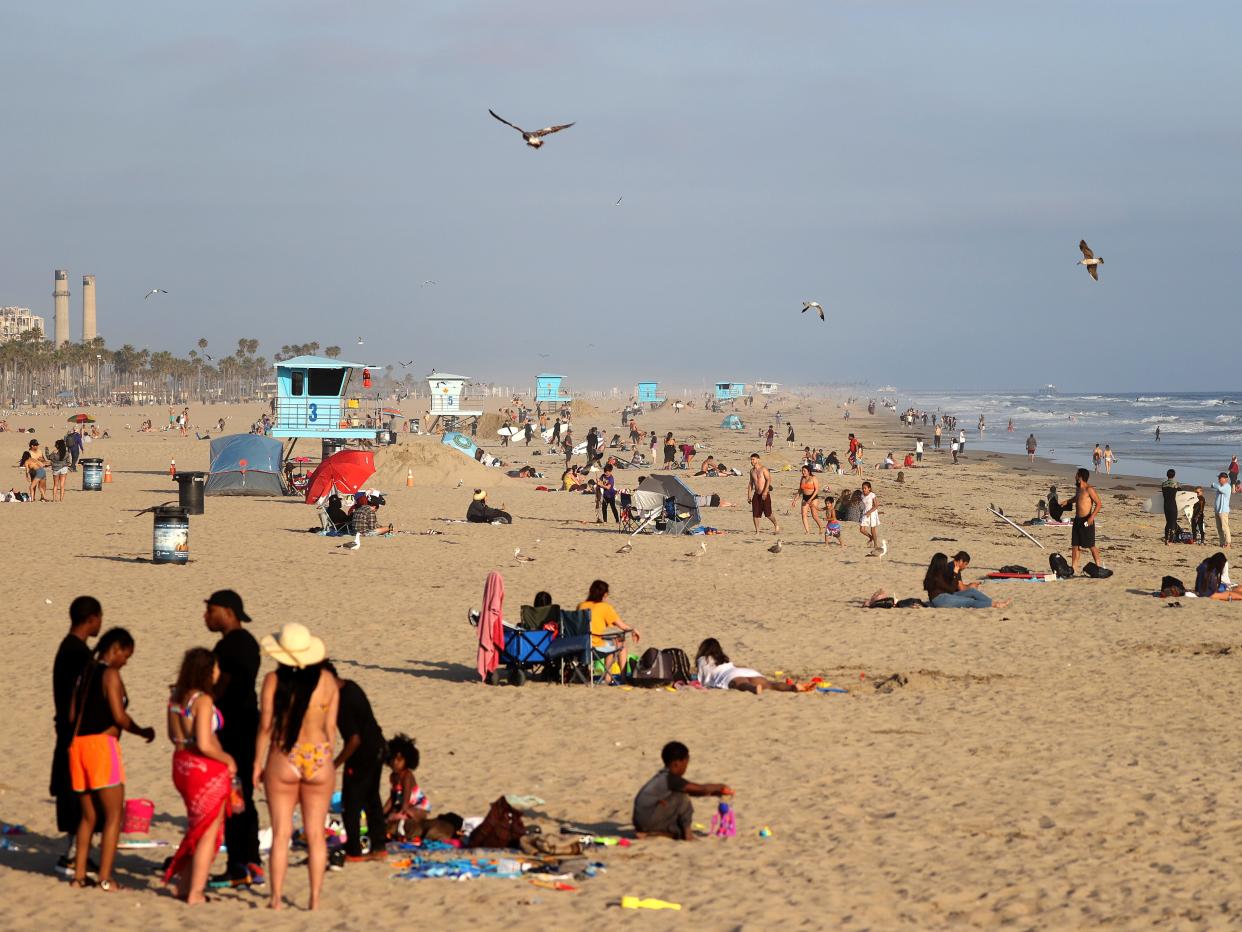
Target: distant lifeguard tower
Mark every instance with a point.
(447, 408)
(317, 397)
(767, 388)
(727, 391)
(548, 390)
(649, 394)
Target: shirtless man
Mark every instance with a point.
(759, 493)
(1087, 505)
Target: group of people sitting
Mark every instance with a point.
(711, 467)
(362, 517)
(945, 588)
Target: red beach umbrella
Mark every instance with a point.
(81, 419)
(346, 471)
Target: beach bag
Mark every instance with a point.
(659, 667)
(1096, 572)
(1059, 565)
(1171, 586)
(503, 827)
(1016, 569)
(911, 603)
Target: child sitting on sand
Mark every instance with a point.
(407, 805)
(662, 807)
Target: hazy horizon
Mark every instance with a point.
(293, 171)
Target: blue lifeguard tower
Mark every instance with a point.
(649, 394)
(447, 404)
(548, 390)
(727, 391)
(316, 397)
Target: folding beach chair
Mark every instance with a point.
(572, 652)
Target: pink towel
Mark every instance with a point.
(491, 625)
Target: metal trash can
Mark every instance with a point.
(330, 446)
(92, 474)
(190, 491)
(171, 539)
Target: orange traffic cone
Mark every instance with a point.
(172, 468)
(409, 477)
(107, 472)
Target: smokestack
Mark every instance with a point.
(88, 308)
(61, 300)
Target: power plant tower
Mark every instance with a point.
(61, 301)
(88, 308)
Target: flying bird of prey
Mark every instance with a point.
(154, 291)
(775, 548)
(813, 305)
(534, 139)
(1089, 260)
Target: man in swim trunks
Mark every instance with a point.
(1087, 505)
(759, 493)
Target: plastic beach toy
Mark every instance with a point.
(633, 902)
(765, 832)
(723, 823)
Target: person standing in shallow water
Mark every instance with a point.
(237, 653)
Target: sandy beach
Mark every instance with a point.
(1064, 763)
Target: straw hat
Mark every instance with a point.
(479, 495)
(294, 646)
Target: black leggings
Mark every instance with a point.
(604, 505)
(360, 793)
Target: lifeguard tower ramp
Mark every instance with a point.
(548, 390)
(649, 394)
(319, 398)
(727, 391)
(448, 406)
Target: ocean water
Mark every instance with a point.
(1199, 431)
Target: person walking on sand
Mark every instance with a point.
(759, 493)
(1030, 448)
(1168, 491)
(1087, 506)
(869, 522)
(808, 491)
(936, 437)
(768, 437)
(1223, 490)
(1109, 459)
(1233, 471)
(918, 450)
(1097, 455)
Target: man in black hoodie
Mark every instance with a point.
(480, 512)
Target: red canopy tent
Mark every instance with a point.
(345, 471)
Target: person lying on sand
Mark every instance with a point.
(717, 671)
(662, 808)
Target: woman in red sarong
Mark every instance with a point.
(201, 771)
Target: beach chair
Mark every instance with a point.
(572, 653)
(644, 507)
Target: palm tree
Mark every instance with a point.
(332, 352)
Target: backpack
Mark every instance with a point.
(502, 828)
(1096, 572)
(659, 667)
(1171, 586)
(1059, 565)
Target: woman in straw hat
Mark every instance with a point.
(293, 754)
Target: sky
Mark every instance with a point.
(294, 170)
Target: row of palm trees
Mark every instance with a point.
(34, 371)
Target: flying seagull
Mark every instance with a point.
(618, 204)
(809, 305)
(1089, 260)
(154, 291)
(427, 282)
(533, 139)
(406, 365)
(360, 341)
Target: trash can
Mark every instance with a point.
(331, 446)
(190, 491)
(171, 540)
(92, 474)
(386, 437)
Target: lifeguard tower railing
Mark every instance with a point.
(448, 404)
(726, 391)
(317, 398)
(548, 390)
(649, 394)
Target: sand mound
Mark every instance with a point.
(433, 463)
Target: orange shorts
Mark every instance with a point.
(95, 763)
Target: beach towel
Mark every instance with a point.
(491, 625)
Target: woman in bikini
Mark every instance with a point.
(808, 489)
(294, 750)
(202, 772)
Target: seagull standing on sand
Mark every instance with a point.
(154, 291)
(534, 139)
(626, 548)
(776, 547)
(1089, 260)
(355, 544)
(809, 305)
(518, 555)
